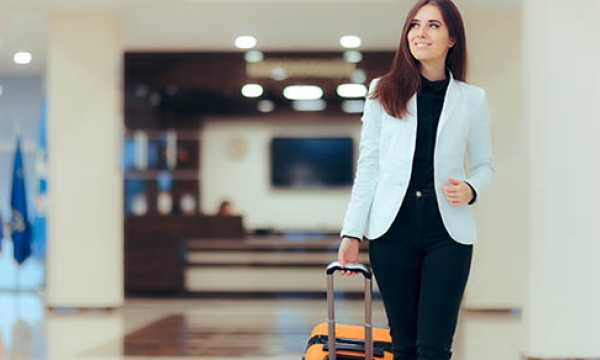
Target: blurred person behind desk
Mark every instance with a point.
(226, 209)
(227, 222)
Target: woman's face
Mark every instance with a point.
(428, 37)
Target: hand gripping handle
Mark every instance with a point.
(336, 266)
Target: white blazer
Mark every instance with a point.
(387, 147)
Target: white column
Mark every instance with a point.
(85, 244)
(562, 98)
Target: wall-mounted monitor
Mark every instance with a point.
(312, 162)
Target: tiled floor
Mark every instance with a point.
(211, 329)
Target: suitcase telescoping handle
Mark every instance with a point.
(331, 269)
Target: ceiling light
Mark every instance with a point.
(302, 92)
(351, 90)
(253, 56)
(252, 90)
(1, 90)
(265, 106)
(358, 76)
(350, 41)
(22, 58)
(353, 106)
(353, 57)
(278, 74)
(245, 42)
(309, 105)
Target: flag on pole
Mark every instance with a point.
(38, 246)
(20, 227)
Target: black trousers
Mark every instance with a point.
(421, 273)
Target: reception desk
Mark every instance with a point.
(155, 248)
(212, 256)
(265, 266)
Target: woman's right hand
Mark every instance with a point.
(348, 253)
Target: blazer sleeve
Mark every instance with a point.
(481, 169)
(367, 170)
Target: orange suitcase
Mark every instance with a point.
(349, 341)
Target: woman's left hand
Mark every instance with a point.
(458, 193)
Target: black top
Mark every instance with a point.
(430, 101)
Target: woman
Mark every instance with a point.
(412, 195)
(225, 209)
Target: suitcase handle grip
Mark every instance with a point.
(331, 268)
(336, 266)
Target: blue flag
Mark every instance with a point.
(21, 229)
(41, 158)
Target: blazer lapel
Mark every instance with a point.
(412, 108)
(452, 98)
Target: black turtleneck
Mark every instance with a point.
(430, 100)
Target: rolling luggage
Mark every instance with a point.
(352, 342)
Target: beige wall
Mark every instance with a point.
(246, 180)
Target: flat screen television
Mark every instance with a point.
(312, 162)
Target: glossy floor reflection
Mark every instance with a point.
(211, 329)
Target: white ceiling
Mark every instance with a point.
(204, 25)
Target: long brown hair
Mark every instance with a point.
(395, 88)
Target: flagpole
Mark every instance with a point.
(17, 131)
(17, 265)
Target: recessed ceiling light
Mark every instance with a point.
(350, 41)
(252, 90)
(265, 106)
(351, 90)
(353, 56)
(353, 106)
(302, 92)
(245, 42)
(253, 56)
(22, 58)
(1, 90)
(309, 105)
(358, 76)
(279, 74)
